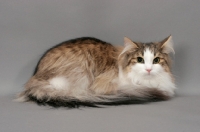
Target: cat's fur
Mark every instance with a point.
(87, 71)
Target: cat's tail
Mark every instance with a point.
(136, 96)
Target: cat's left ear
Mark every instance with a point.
(167, 45)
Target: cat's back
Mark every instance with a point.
(84, 44)
(80, 50)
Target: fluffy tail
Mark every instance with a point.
(137, 96)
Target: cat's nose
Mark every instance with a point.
(148, 70)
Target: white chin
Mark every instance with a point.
(149, 76)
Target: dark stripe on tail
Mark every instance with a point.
(155, 96)
(61, 103)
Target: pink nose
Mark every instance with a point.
(149, 70)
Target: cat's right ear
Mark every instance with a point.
(129, 45)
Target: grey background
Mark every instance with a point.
(30, 27)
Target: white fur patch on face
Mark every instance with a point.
(59, 83)
(148, 59)
(146, 69)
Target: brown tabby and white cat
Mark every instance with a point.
(90, 72)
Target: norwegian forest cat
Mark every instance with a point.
(90, 72)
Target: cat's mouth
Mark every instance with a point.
(149, 75)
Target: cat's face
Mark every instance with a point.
(146, 61)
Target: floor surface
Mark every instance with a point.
(181, 114)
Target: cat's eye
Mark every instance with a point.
(140, 60)
(156, 60)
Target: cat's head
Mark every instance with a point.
(146, 60)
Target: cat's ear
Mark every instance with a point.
(129, 43)
(129, 46)
(167, 45)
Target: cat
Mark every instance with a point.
(90, 72)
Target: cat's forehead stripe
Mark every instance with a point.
(149, 46)
(148, 53)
